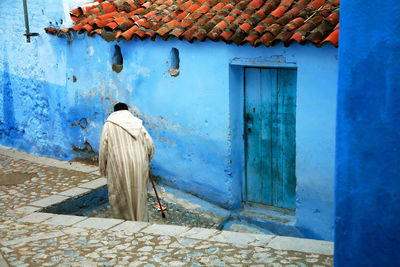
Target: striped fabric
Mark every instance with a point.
(126, 149)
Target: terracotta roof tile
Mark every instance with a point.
(200, 34)
(85, 9)
(88, 27)
(189, 33)
(75, 12)
(128, 34)
(178, 31)
(333, 38)
(77, 27)
(258, 22)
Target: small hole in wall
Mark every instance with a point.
(174, 59)
(118, 61)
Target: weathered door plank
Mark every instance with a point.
(270, 123)
(284, 140)
(252, 130)
(268, 84)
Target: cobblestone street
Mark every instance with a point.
(31, 238)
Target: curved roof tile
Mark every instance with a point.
(258, 22)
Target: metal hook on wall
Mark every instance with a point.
(28, 34)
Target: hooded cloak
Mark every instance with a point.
(125, 151)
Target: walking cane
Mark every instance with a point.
(155, 191)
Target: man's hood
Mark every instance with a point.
(127, 121)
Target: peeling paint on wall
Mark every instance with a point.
(91, 51)
(82, 123)
(159, 123)
(139, 71)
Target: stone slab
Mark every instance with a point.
(3, 262)
(37, 217)
(27, 209)
(48, 201)
(73, 192)
(98, 223)
(66, 220)
(243, 227)
(187, 242)
(130, 226)
(95, 183)
(238, 238)
(199, 233)
(75, 166)
(261, 240)
(24, 240)
(163, 229)
(302, 244)
(96, 172)
(74, 230)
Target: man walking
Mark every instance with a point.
(125, 152)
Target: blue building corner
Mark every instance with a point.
(367, 198)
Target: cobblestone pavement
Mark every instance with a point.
(175, 214)
(31, 238)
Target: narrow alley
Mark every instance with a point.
(32, 238)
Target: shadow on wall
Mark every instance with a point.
(8, 126)
(174, 62)
(83, 152)
(117, 60)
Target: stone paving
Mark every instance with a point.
(175, 214)
(32, 238)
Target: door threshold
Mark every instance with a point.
(264, 219)
(267, 213)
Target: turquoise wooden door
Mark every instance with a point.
(270, 136)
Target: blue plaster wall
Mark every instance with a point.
(368, 131)
(62, 91)
(32, 80)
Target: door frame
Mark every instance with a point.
(236, 123)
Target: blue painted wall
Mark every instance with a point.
(368, 163)
(32, 78)
(57, 93)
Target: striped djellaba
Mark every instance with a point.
(126, 149)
